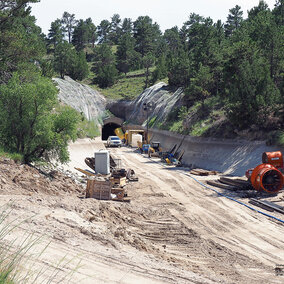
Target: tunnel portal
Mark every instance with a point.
(108, 130)
(110, 124)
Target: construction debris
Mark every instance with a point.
(202, 172)
(86, 172)
(221, 185)
(270, 206)
(231, 183)
(108, 187)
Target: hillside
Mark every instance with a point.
(201, 119)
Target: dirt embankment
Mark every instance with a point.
(173, 231)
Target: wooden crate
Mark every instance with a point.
(98, 189)
(118, 181)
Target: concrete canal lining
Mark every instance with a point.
(225, 155)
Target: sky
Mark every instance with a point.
(167, 13)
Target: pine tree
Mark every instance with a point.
(146, 34)
(104, 31)
(68, 21)
(56, 33)
(104, 66)
(127, 58)
(234, 20)
(80, 35)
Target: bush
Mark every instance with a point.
(30, 124)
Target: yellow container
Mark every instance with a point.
(168, 161)
(119, 133)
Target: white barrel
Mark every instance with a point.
(135, 139)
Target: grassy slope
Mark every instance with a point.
(125, 87)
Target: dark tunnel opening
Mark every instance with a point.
(108, 130)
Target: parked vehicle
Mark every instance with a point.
(114, 141)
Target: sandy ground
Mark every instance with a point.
(172, 231)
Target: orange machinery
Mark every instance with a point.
(267, 176)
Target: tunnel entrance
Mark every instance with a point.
(108, 130)
(110, 124)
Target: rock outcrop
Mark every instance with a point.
(162, 97)
(81, 97)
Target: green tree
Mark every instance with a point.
(103, 31)
(250, 91)
(278, 12)
(173, 40)
(127, 26)
(80, 35)
(146, 34)
(264, 31)
(92, 32)
(29, 122)
(10, 9)
(234, 20)
(148, 62)
(200, 38)
(79, 67)
(179, 70)
(262, 6)
(56, 33)
(161, 70)
(64, 58)
(115, 30)
(104, 66)
(47, 67)
(20, 39)
(68, 21)
(201, 84)
(127, 58)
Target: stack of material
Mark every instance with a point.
(98, 188)
(202, 172)
(231, 183)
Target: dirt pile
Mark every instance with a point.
(23, 179)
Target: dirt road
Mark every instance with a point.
(173, 231)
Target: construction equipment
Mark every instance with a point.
(90, 162)
(267, 176)
(145, 148)
(155, 149)
(119, 132)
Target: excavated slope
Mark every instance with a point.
(163, 99)
(81, 97)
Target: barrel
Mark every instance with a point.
(267, 178)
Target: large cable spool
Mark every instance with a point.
(267, 178)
